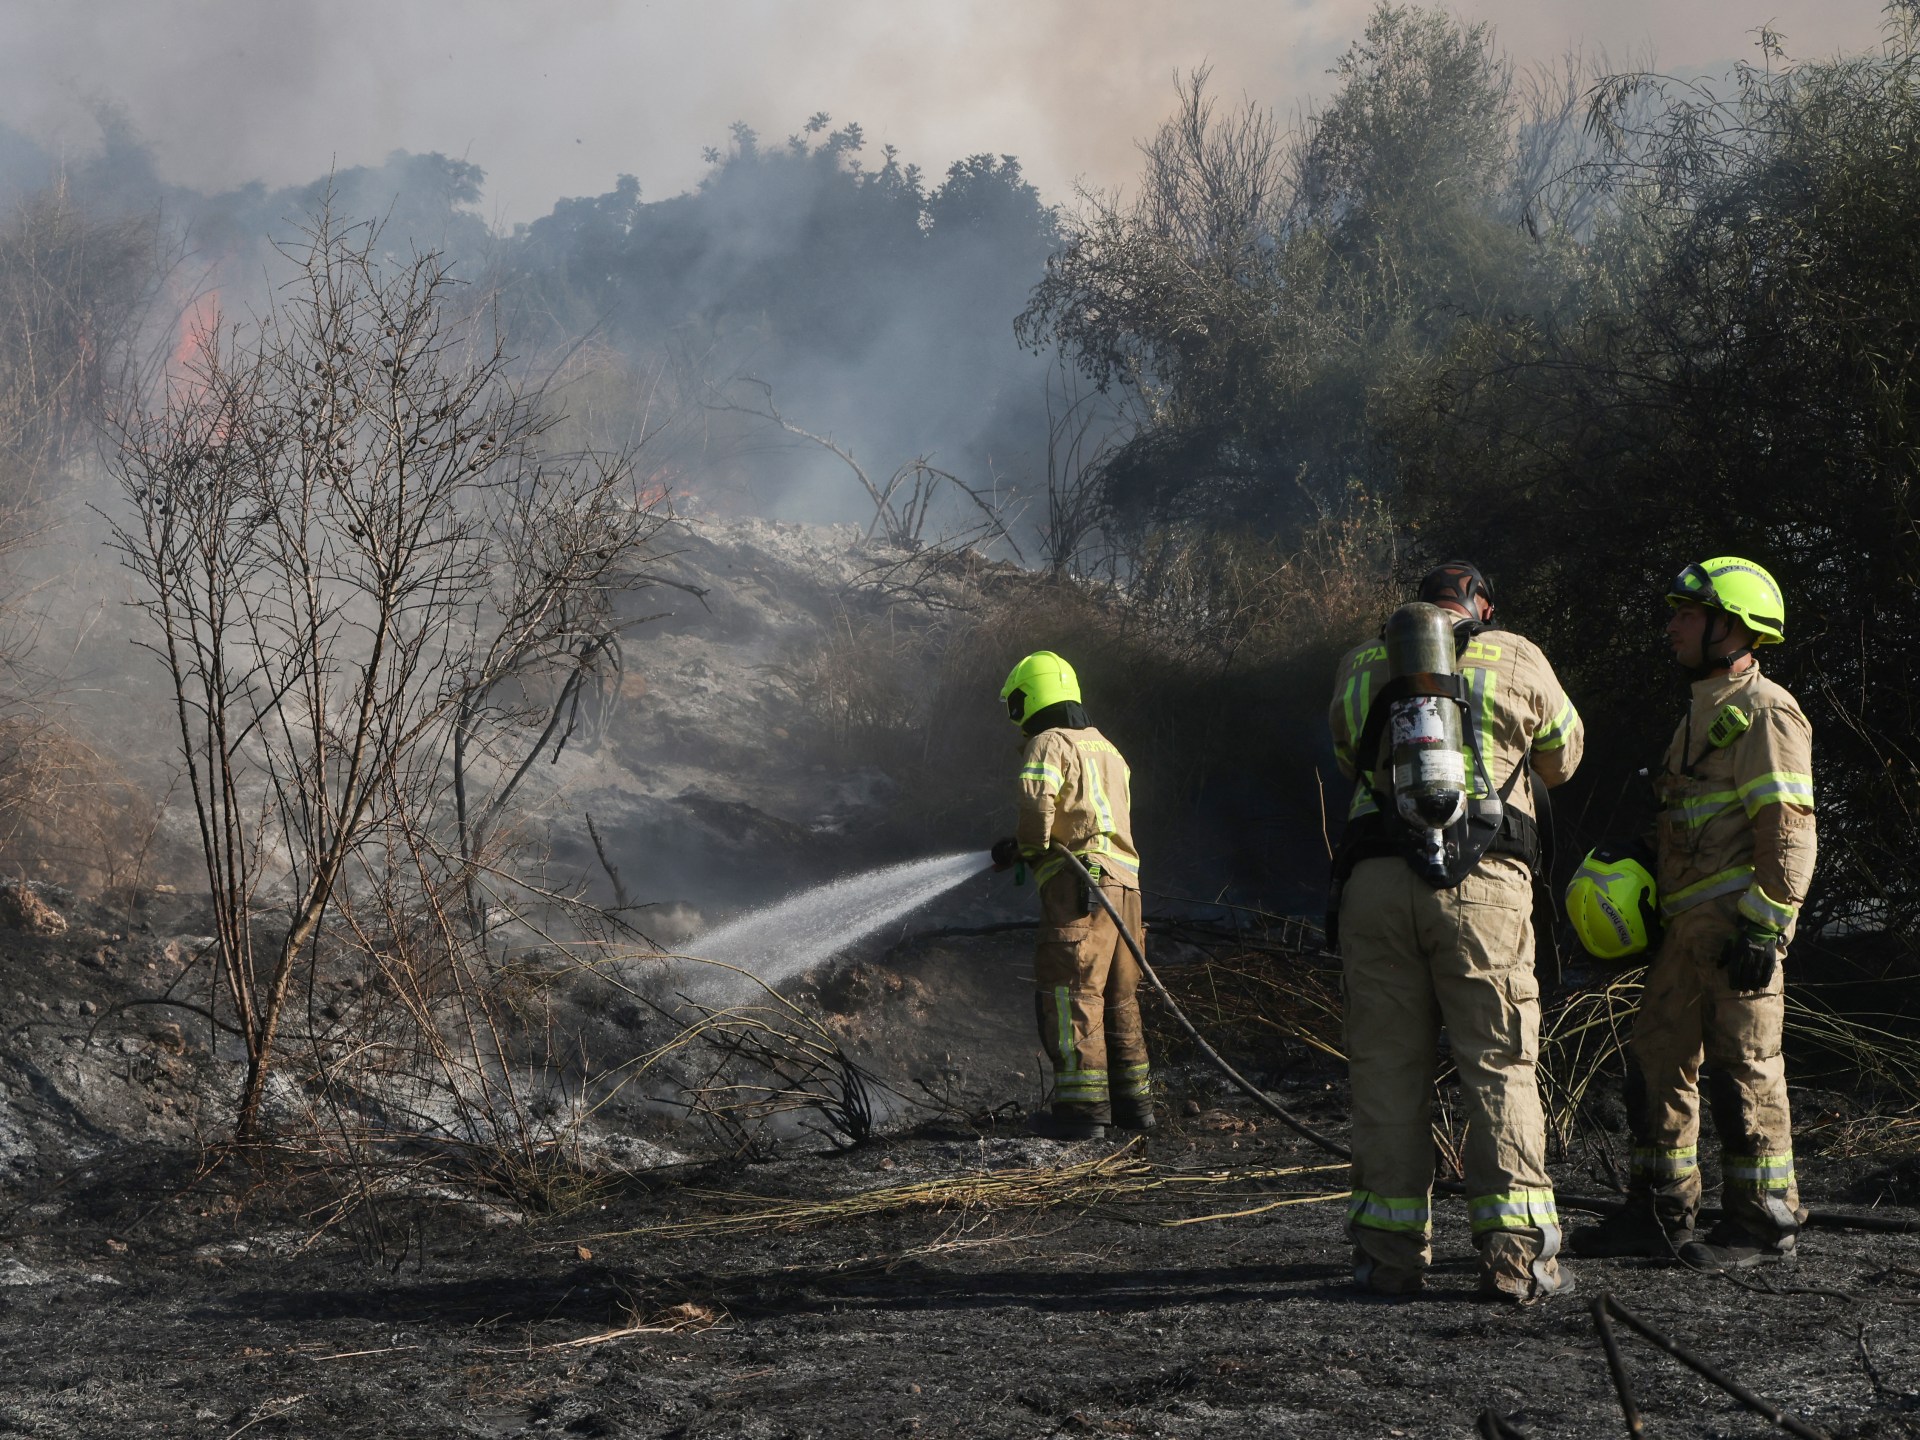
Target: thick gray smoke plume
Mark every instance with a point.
(557, 100)
(229, 112)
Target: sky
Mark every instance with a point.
(558, 98)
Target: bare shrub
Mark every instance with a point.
(861, 681)
(1201, 650)
(73, 291)
(66, 811)
(760, 1063)
(358, 560)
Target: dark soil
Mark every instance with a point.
(137, 1298)
(152, 1286)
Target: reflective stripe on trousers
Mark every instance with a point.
(1132, 1082)
(1660, 1164)
(1405, 1214)
(1071, 1084)
(1758, 1172)
(1515, 1210)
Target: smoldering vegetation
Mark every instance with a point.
(418, 638)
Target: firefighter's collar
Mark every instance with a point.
(1715, 688)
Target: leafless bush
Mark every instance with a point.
(1233, 594)
(358, 562)
(766, 1061)
(1215, 186)
(66, 810)
(903, 506)
(1197, 630)
(1083, 427)
(73, 291)
(860, 681)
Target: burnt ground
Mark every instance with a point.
(150, 1286)
(136, 1300)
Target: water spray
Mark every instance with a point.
(783, 941)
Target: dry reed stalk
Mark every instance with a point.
(683, 1319)
(1321, 1199)
(1582, 1036)
(1244, 1000)
(1102, 1180)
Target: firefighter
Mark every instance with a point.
(1076, 791)
(1447, 943)
(1735, 851)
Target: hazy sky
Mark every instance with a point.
(558, 97)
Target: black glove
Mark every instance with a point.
(1749, 958)
(1005, 853)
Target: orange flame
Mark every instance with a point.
(199, 326)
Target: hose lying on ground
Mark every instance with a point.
(1246, 1087)
(1595, 1204)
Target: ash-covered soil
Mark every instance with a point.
(953, 1278)
(137, 1298)
(950, 1278)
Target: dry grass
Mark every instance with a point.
(1583, 1041)
(1109, 1182)
(1253, 1001)
(1582, 1037)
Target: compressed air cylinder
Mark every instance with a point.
(1424, 735)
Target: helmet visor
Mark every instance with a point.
(1693, 584)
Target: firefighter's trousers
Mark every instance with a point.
(1416, 959)
(1086, 985)
(1689, 1013)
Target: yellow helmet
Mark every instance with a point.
(1741, 588)
(1612, 901)
(1040, 680)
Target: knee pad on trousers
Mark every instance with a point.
(1634, 1095)
(1729, 1109)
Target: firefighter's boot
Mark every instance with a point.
(1731, 1247)
(1065, 1122)
(1632, 1232)
(1133, 1115)
(1390, 1282)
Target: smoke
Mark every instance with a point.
(556, 101)
(461, 122)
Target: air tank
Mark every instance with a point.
(1424, 733)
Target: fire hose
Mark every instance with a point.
(1594, 1204)
(1240, 1082)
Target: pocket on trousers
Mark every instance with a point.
(1520, 990)
(1496, 926)
(1072, 933)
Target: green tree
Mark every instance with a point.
(1738, 376)
(1261, 296)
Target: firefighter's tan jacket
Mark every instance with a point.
(1517, 704)
(1075, 788)
(1737, 816)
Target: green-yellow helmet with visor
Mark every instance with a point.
(1612, 902)
(1740, 588)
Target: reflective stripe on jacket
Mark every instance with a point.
(1722, 830)
(1076, 789)
(1517, 704)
